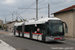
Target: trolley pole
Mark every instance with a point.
(48, 11)
(36, 9)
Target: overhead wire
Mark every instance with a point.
(32, 8)
(21, 12)
(35, 8)
(17, 10)
(41, 1)
(20, 17)
(28, 13)
(27, 8)
(53, 5)
(45, 7)
(59, 3)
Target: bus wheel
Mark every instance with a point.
(19, 34)
(14, 33)
(43, 36)
(23, 35)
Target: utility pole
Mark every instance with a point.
(12, 17)
(36, 9)
(48, 11)
(6, 24)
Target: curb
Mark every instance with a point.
(5, 46)
(70, 38)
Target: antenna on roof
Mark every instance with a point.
(48, 10)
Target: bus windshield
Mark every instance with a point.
(55, 27)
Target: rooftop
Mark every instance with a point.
(1, 20)
(66, 9)
(10, 22)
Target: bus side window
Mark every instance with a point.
(41, 27)
(32, 28)
(35, 29)
(19, 28)
(27, 28)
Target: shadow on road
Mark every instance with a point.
(54, 42)
(51, 42)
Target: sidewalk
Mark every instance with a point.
(70, 38)
(5, 32)
(2, 31)
(5, 46)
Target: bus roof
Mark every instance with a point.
(40, 21)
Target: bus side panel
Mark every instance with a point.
(27, 31)
(35, 36)
(42, 31)
(20, 34)
(27, 34)
(16, 33)
(19, 31)
(31, 30)
(40, 37)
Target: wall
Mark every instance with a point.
(68, 18)
(73, 22)
(1, 22)
(10, 27)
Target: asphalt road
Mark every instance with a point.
(27, 44)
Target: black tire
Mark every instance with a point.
(22, 34)
(30, 35)
(14, 33)
(18, 33)
(43, 36)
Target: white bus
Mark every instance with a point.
(44, 29)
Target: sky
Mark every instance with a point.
(26, 8)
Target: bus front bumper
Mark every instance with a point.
(56, 38)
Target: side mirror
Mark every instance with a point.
(66, 30)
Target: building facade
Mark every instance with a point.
(1, 23)
(68, 15)
(10, 26)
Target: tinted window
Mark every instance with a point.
(19, 28)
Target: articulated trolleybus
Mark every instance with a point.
(44, 29)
